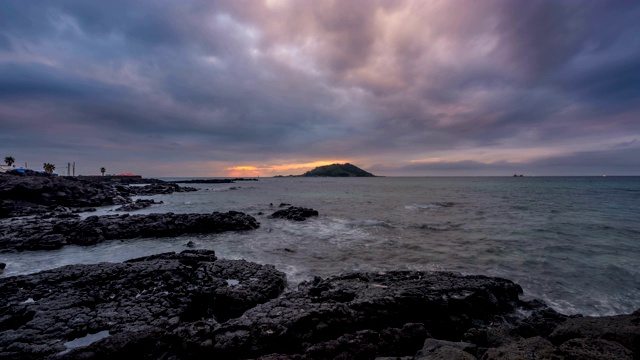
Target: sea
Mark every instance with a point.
(572, 242)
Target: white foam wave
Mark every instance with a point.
(429, 206)
(372, 223)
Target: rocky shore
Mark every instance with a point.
(193, 305)
(47, 234)
(25, 195)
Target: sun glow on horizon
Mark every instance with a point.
(271, 170)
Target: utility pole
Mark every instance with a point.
(74, 168)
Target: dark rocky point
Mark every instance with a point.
(45, 234)
(159, 188)
(33, 193)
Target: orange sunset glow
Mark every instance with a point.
(281, 169)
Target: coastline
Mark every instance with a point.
(358, 315)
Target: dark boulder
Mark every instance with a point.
(295, 213)
(622, 329)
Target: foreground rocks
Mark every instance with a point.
(194, 306)
(136, 303)
(46, 234)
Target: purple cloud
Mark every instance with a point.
(389, 85)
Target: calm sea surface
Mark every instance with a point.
(573, 242)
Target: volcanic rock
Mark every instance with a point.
(133, 304)
(159, 188)
(446, 304)
(194, 306)
(45, 234)
(29, 195)
(138, 205)
(295, 213)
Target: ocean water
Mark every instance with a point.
(573, 242)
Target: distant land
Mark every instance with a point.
(338, 170)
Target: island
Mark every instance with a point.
(338, 170)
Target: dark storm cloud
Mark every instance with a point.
(606, 162)
(20, 81)
(266, 81)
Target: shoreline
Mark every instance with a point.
(194, 305)
(356, 315)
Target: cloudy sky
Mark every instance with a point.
(260, 88)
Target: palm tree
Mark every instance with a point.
(102, 170)
(48, 168)
(9, 160)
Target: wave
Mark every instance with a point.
(372, 223)
(429, 206)
(440, 227)
(228, 188)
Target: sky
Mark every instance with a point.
(260, 88)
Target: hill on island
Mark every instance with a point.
(338, 170)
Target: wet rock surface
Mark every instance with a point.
(138, 205)
(295, 213)
(44, 234)
(194, 306)
(133, 302)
